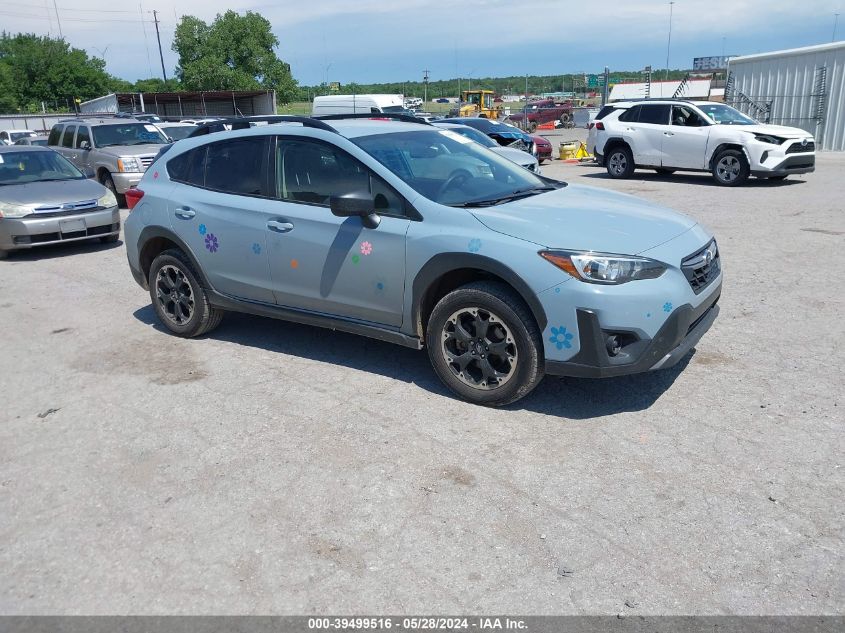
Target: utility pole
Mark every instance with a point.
(425, 85)
(160, 54)
(669, 41)
(60, 22)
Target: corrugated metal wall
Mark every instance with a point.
(788, 79)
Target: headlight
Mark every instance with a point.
(108, 200)
(601, 268)
(768, 138)
(13, 210)
(129, 163)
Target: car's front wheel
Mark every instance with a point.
(484, 344)
(179, 299)
(619, 162)
(730, 168)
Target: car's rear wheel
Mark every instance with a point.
(532, 126)
(179, 299)
(619, 162)
(484, 344)
(663, 171)
(730, 168)
(107, 182)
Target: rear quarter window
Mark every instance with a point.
(631, 115)
(188, 168)
(604, 112)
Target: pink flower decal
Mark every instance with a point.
(366, 248)
(155, 175)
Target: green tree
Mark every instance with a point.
(235, 52)
(8, 102)
(154, 84)
(47, 69)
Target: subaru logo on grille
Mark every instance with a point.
(66, 207)
(710, 254)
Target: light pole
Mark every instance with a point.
(835, 24)
(669, 41)
(329, 65)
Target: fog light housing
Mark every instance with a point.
(613, 345)
(764, 157)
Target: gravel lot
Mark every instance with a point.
(276, 468)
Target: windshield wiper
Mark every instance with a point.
(516, 195)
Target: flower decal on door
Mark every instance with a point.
(474, 245)
(202, 229)
(211, 242)
(667, 307)
(366, 248)
(256, 248)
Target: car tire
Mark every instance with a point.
(730, 168)
(107, 182)
(4, 254)
(178, 298)
(619, 162)
(518, 365)
(663, 171)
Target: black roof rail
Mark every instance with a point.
(242, 123)
(407, 118)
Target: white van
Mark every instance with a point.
(357, 104)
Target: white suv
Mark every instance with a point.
(668, 135)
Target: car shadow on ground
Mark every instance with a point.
(701, 179)
(53, 251)
(574, 398)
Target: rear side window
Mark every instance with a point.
(657, 114)
(67, 139)
(55, 135)
(189, 168)
(238, 166)
(82, 135)
(631, 115)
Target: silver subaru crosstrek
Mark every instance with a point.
(416, 235)
(46, 200)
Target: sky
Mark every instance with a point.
(369, 41)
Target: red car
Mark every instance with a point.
(544, 111)
(544, 148)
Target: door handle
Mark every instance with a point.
(279, 227)
(185, 212)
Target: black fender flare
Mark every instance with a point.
(444, 263)
(152, 232)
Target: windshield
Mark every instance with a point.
(178, 132)
(475, 135)
(394, 110)
(726, 115)
(16, 136)
(127, 134)
(451, 169)
(17, 168)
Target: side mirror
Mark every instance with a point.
(359, 204)
(85, 145)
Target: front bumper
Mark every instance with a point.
(794, 164)
(678, 335)
(126, 180)
(40, 230)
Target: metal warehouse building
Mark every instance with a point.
(801, 87)
(185, 104)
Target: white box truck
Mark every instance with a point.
(358, 104)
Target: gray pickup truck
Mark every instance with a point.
(116, 151)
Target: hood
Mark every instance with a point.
(516, 155)
(586, 218)
(132, 150)
(51, 194)
(782, 131)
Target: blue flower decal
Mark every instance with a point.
(256, 248)
(202, 229)
(667, 307)
(561, 338)
(557, 291)
(379, 286)
(648, 315)
(474, 245)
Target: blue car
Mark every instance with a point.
(412, 234)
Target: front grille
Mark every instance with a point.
(702, 267)
(798, 148)
(146, 161)
(58, 210)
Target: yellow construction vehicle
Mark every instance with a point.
(479, 103)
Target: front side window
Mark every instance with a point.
(238, 166)
(686, 116)
(127, 134)
(67, 139)
(656, 114)
(22, 167)
(82, 136)
(55, 135)
(450, 169)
